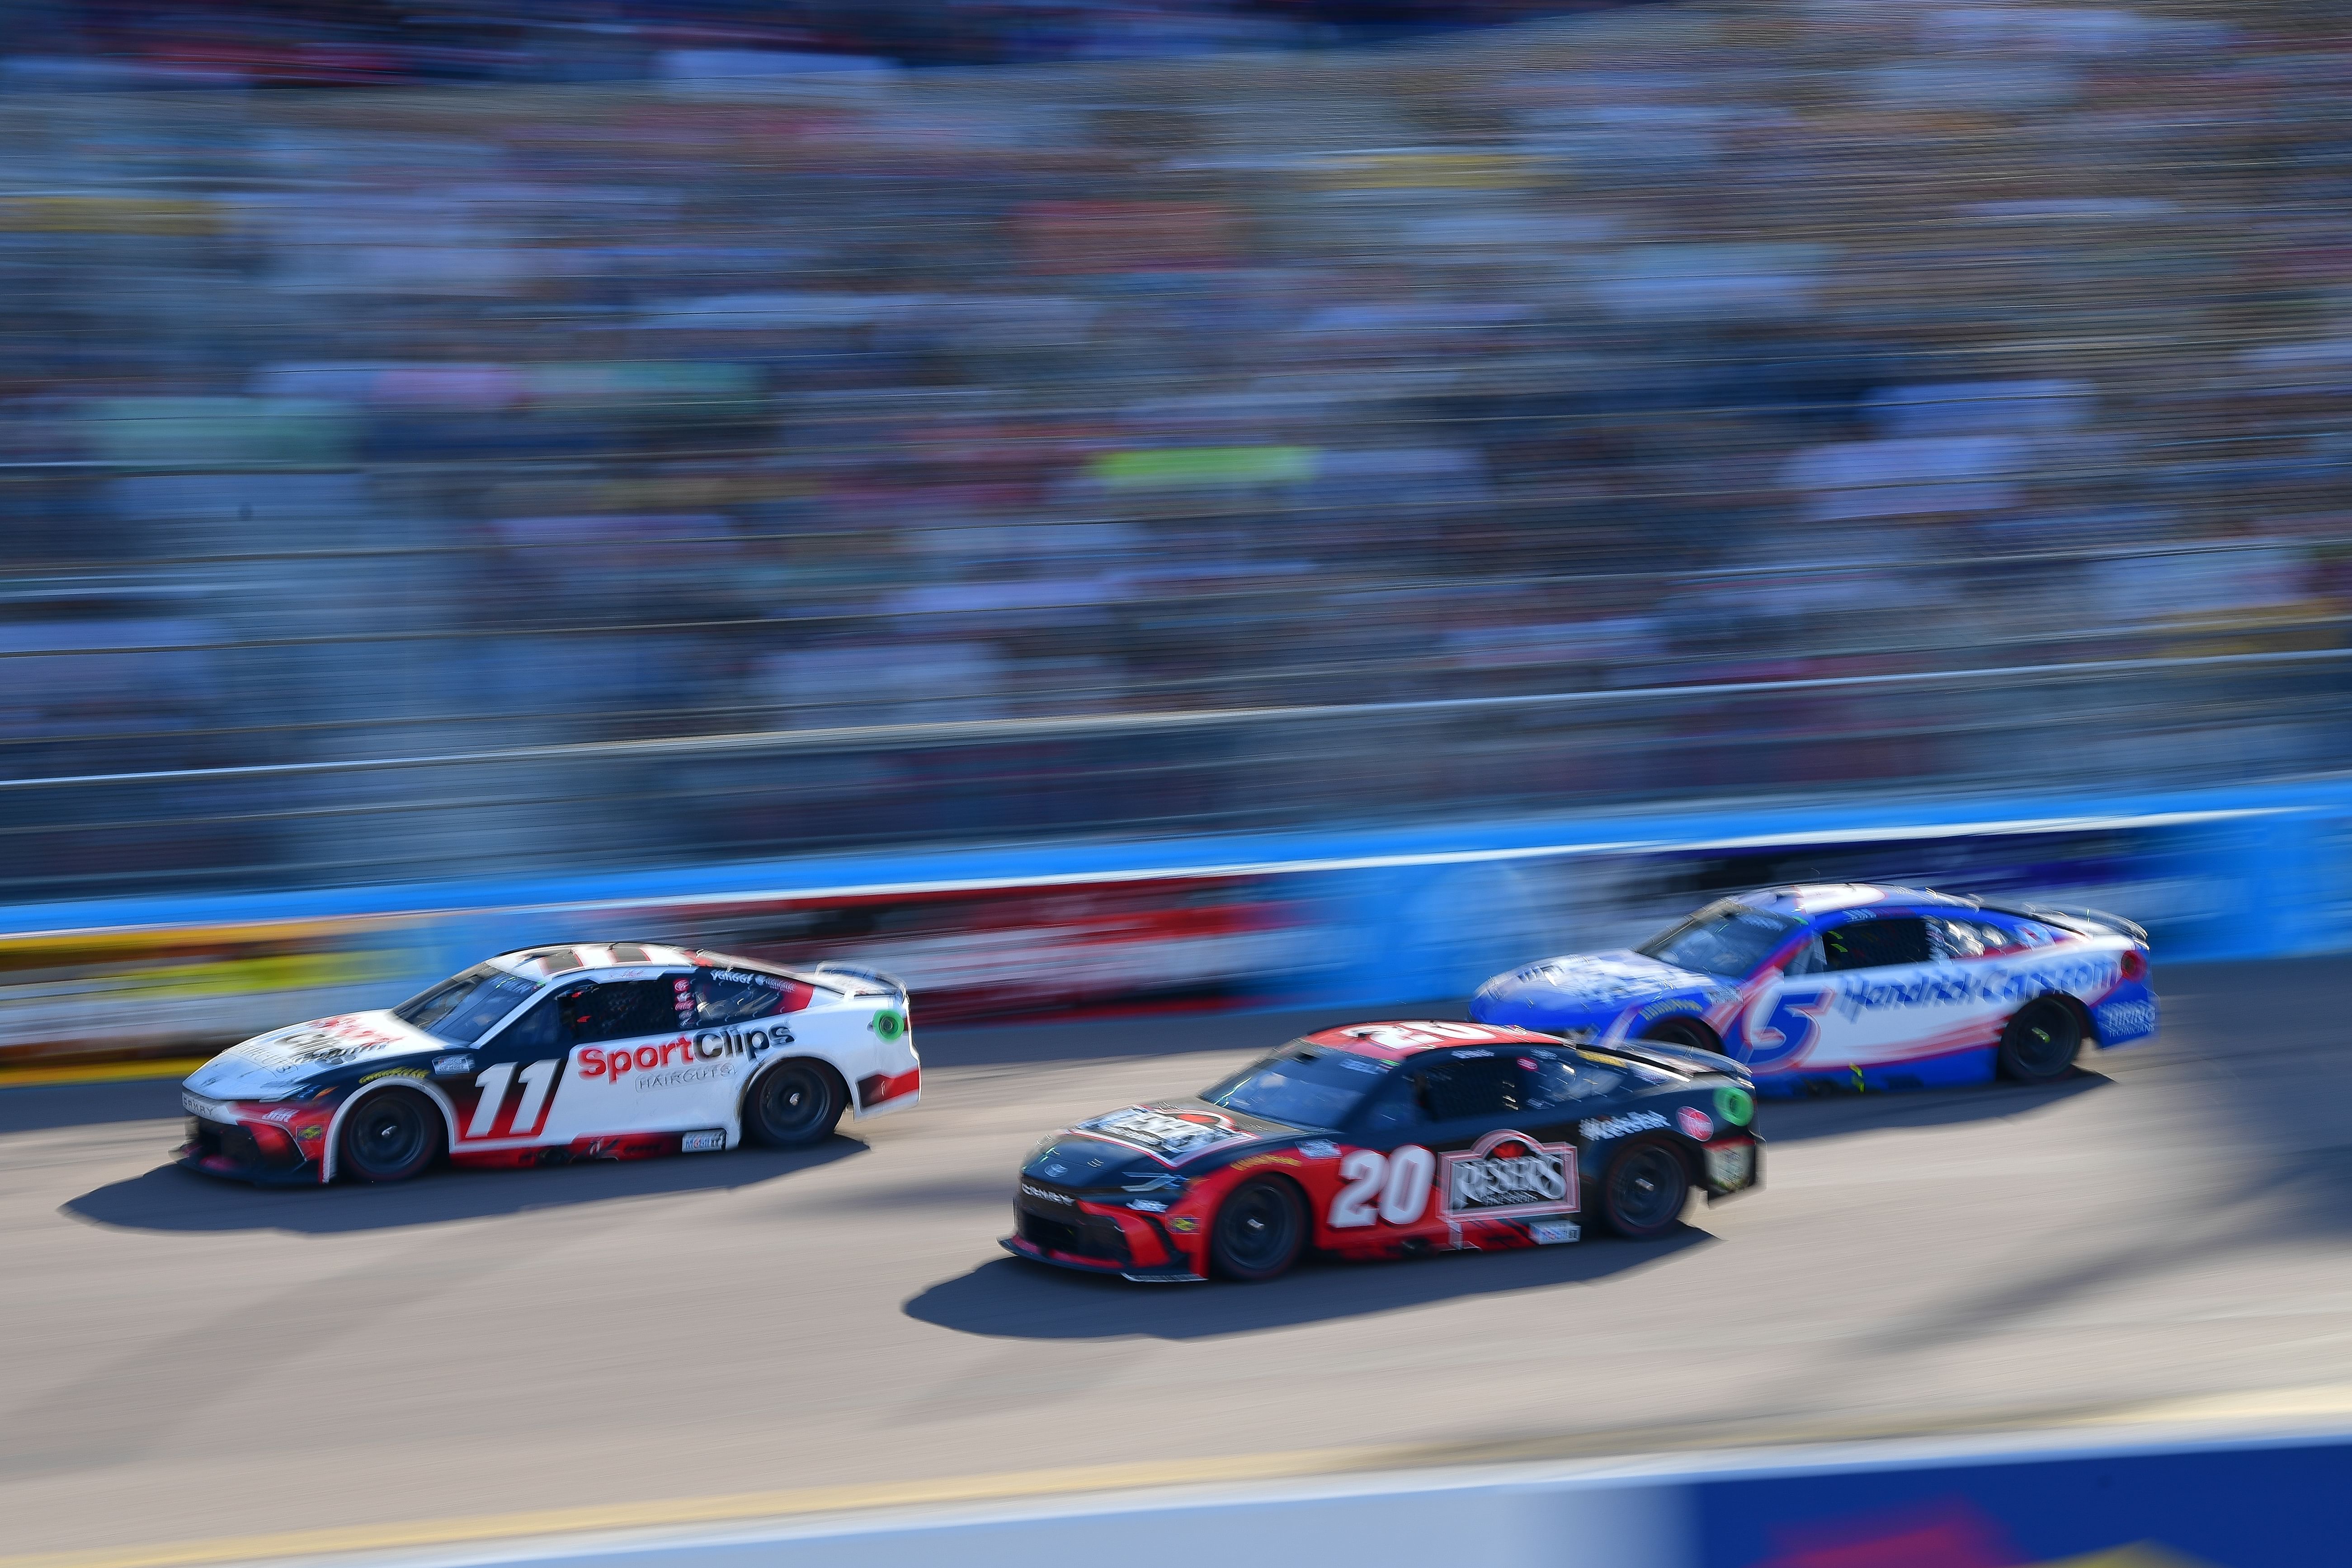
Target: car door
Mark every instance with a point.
(633, 1067)
(1414, 1169)
(1884, 994)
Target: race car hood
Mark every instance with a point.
(1584, 989)
(1161, 1135)
(268, 1066)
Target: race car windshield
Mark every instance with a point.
(1727, 939)
(461, 1008)
(1303, 1086)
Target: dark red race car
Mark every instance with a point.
(1384, 1139)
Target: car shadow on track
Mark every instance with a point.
(1833, 1116)
(168, 1198)
(1007, 1298)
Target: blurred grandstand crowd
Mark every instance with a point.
(1702, 345)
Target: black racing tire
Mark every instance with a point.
(794, 1104)
(2041, 1042)
(1644, 1190)
(389, 1136)
(1688, 1033)
(1260, 1230)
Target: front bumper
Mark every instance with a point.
(1022, 1246)
(268, 1155)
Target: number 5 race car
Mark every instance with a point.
(1856, 987)
(557, 1054)
(1384, 1139)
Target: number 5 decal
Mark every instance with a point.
(1789, 1032)
(1401, 1179)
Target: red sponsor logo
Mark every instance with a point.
(1695, 1123)
(708, 1046)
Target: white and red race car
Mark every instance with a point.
(605, 1051)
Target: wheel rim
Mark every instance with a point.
(793, 1101)
(1256, 1228)
(1647, 1189)
(2046, 1041)
(391, 1133)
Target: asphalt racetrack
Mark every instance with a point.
(186, 1359)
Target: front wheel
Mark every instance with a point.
(1643, 1191)
(389, 1136)
(2040, 1043)
(794, 1104)
(1260, 1231)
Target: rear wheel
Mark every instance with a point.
(2040, 1044)
(389, 1136)
(794, 1104)
(1643, 1191)
(1679, 1032)
(1260, 1230)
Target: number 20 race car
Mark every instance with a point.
(1384, 1139)
(1848, 986)
(542, 1056)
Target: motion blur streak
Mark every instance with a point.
(877, 420)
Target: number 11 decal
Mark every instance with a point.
(494, 1083)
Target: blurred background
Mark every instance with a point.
(462, 441)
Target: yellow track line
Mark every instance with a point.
(2317, 1402)
(100, 1072)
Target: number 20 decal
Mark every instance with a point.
(493, 1083)
(1400, 1180)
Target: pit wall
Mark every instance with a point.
(2192, 1503)
(1366, 918)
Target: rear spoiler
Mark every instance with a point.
(2090, 923)
(864, 981)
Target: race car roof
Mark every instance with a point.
(1802, 898)
(1394, 1042)
(546, 963)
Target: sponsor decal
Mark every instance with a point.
(1320, 1149)
(280, 1116)
(2127, 1020)
(677, 1077)
(1594, 1128)
(702, 1143)
(1508, 1174)
(1552, 1232)
(1148, 1206)
(1978, 984)
(394, 1072)
(748, 977)
(1256, 1160)
(326, 1043)
(452, 1067)
(710, 1044)
(1695, 1123)
(1459, 1055)
(310, 1134)
(1043, 1194)
(889, 1026)
(1656, 1010)
(212, 1109)
(1526, 1064)
(1735, 1105)
(1731, 1165)
(1168, 1135)
(1183, 1225)
(1057, 1169)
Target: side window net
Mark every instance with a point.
(621, 1010)
(1479, 1086)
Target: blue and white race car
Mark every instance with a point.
(1852, 986)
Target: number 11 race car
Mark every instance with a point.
(1847, 986)
(1387, 1140)
(539, 1057)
